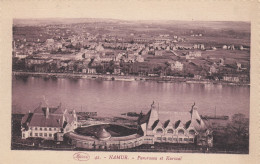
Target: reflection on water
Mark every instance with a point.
(115, 97)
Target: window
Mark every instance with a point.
(40, 128)
(164, 138)
(186, 139)
(191, 139)
(45, 129)
(36, 134)
(50, 135)
(40, 134)
(23, 135)
(174, 139)
(180, 139)
(45, 134)
(54, 128)
(30, 134)
(36, 128)
(159, 138)
(181, 132)
(170, 139)
(159, 130)
(192, 132)
(170, 131)
(49, 129)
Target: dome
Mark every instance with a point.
(103, 135)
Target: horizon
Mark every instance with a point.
(129, 20)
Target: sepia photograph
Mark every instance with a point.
(112, 85)
(119, 82)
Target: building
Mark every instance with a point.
(48, 123)
(154, 127)
(139, 59)
(92, 71)
(117, 71)
(20, 55)
(197, 77)
(239, 66)
(221, 62)
(158, 53)
(175, 127)
(50, 44)
(199, 46)
(143, 39)
(213, 69)
(99, 48)
(177, 66)
(231, 79)
(84, 70)
(193, 54)
(102, 137)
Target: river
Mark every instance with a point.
(111, 98)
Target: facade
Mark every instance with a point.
(92, 70)
(213, 69)
(117, 71)
(154, 127)
(103, 141)
(175, 127)
(231, 78)
(158, 53)
(193, 55)
(48, 123)
(177, 66)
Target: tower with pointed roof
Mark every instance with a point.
(171, 126)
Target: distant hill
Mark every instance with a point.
(241, 26)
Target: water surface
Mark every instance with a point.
(116, 97)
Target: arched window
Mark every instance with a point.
(169, 131)
(192, 132)
(180, 132)
(159, 130)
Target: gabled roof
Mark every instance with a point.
(174, 119)
(44, 116)
(155, 124)
(174, 116)
(145, 118)
(41, 120)
(197, 122)
(26, 118)
(166, 123)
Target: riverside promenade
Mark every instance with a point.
(112, 77)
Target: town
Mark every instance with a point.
(191, 57)
(166, 50)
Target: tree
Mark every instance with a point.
(239, 126)
(99, 69)
(238, 132)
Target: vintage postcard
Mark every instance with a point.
(130, 81)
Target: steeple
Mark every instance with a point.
(153, 116)
(192, 107)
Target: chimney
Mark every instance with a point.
(47, 112)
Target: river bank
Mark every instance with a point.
(164, 79)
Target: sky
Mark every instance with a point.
(196, 10)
